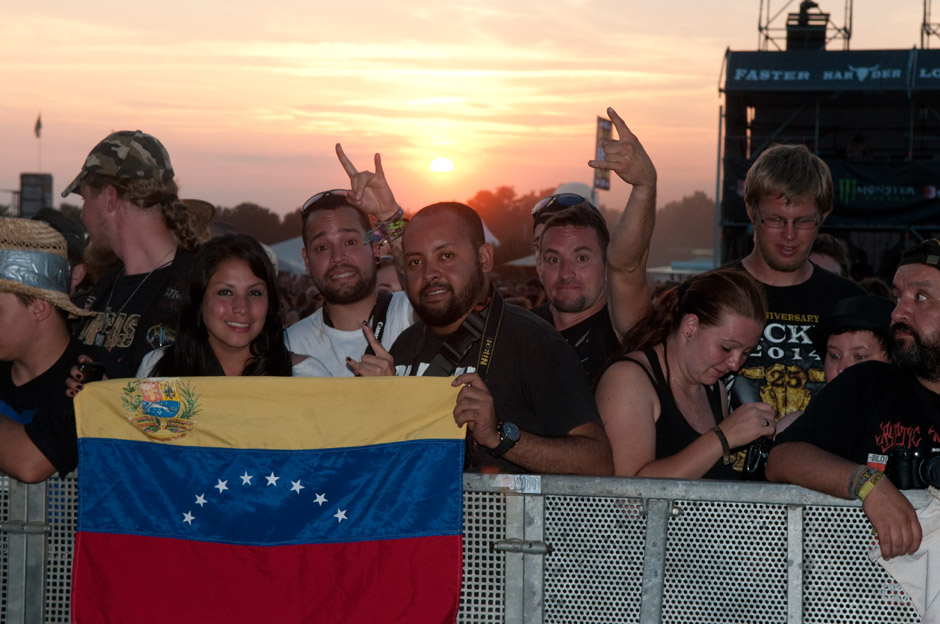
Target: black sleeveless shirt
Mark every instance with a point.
(673, 431)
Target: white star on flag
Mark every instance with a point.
(320, 499)
(188, 518)
(296, 487)
(340, 515)
(272, 480)
(221, 486)
(201, 500)
(246, 478)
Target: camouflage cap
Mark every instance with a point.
(125, 154)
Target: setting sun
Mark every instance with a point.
(442, 164)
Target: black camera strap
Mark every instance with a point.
(480, 324)
(376, 318)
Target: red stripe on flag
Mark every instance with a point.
(126, 578)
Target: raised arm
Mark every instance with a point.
(369, 191)
(629, 297)
(891, 514)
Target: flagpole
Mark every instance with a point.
(38, 131)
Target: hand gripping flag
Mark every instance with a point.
(265, 499)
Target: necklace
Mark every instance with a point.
(109, 320)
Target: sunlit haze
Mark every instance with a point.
(250, 98)
(442, 164)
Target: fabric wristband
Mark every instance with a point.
(869, 485)
(855, 479)
(388, 230)
(725, 448)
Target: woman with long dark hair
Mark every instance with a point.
(662, 402)
(230, 322)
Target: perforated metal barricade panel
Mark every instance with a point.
(4, 545)
(841, 583)
(726, 562)
(484, 571)
(594, 573)
(61, 514)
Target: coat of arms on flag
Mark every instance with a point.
(286, 500)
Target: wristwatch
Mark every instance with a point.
(508, 436)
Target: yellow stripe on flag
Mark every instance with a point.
(269, 412)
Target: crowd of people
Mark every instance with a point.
(586, 371)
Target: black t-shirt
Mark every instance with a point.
(534, 376)
(42, 406)
(866, 411)
(144, 313)
(785, 370)
(593, 339)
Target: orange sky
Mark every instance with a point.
(250, 101)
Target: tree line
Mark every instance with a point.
(681, 225)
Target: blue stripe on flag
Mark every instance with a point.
(263, 497)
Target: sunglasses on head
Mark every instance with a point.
(309, 204)
(548, 206)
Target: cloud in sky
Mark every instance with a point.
(249, 99)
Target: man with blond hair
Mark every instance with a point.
(132, 208)
(788, 193)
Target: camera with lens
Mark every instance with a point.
(911, 469)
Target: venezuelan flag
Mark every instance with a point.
(268, 500)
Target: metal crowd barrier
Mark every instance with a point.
(574, 549)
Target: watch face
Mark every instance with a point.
(511, 431)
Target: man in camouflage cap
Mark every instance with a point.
(132, 207)
(125, 154)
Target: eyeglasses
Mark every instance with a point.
(548, 206)
(309, 204)
(777, 223)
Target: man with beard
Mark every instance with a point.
(840, 446)
(788, 194)
(132, 208)
(524, 408)
(342, 263)
(595, 283)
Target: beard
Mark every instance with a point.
(459, 303)
(784, 265)
(571, 306)
(347, 293)
(915, 354)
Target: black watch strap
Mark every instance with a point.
(508, 436)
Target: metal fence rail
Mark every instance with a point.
(573, 550)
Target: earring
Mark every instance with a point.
(688, 335)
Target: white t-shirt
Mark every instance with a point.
(311, 336)
(308, 367)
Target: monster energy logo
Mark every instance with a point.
(847, 190)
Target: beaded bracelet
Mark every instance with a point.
(388, 230)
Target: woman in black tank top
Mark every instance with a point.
(662, 402)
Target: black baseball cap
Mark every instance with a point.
(865, 312)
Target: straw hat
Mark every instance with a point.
(34, 262)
